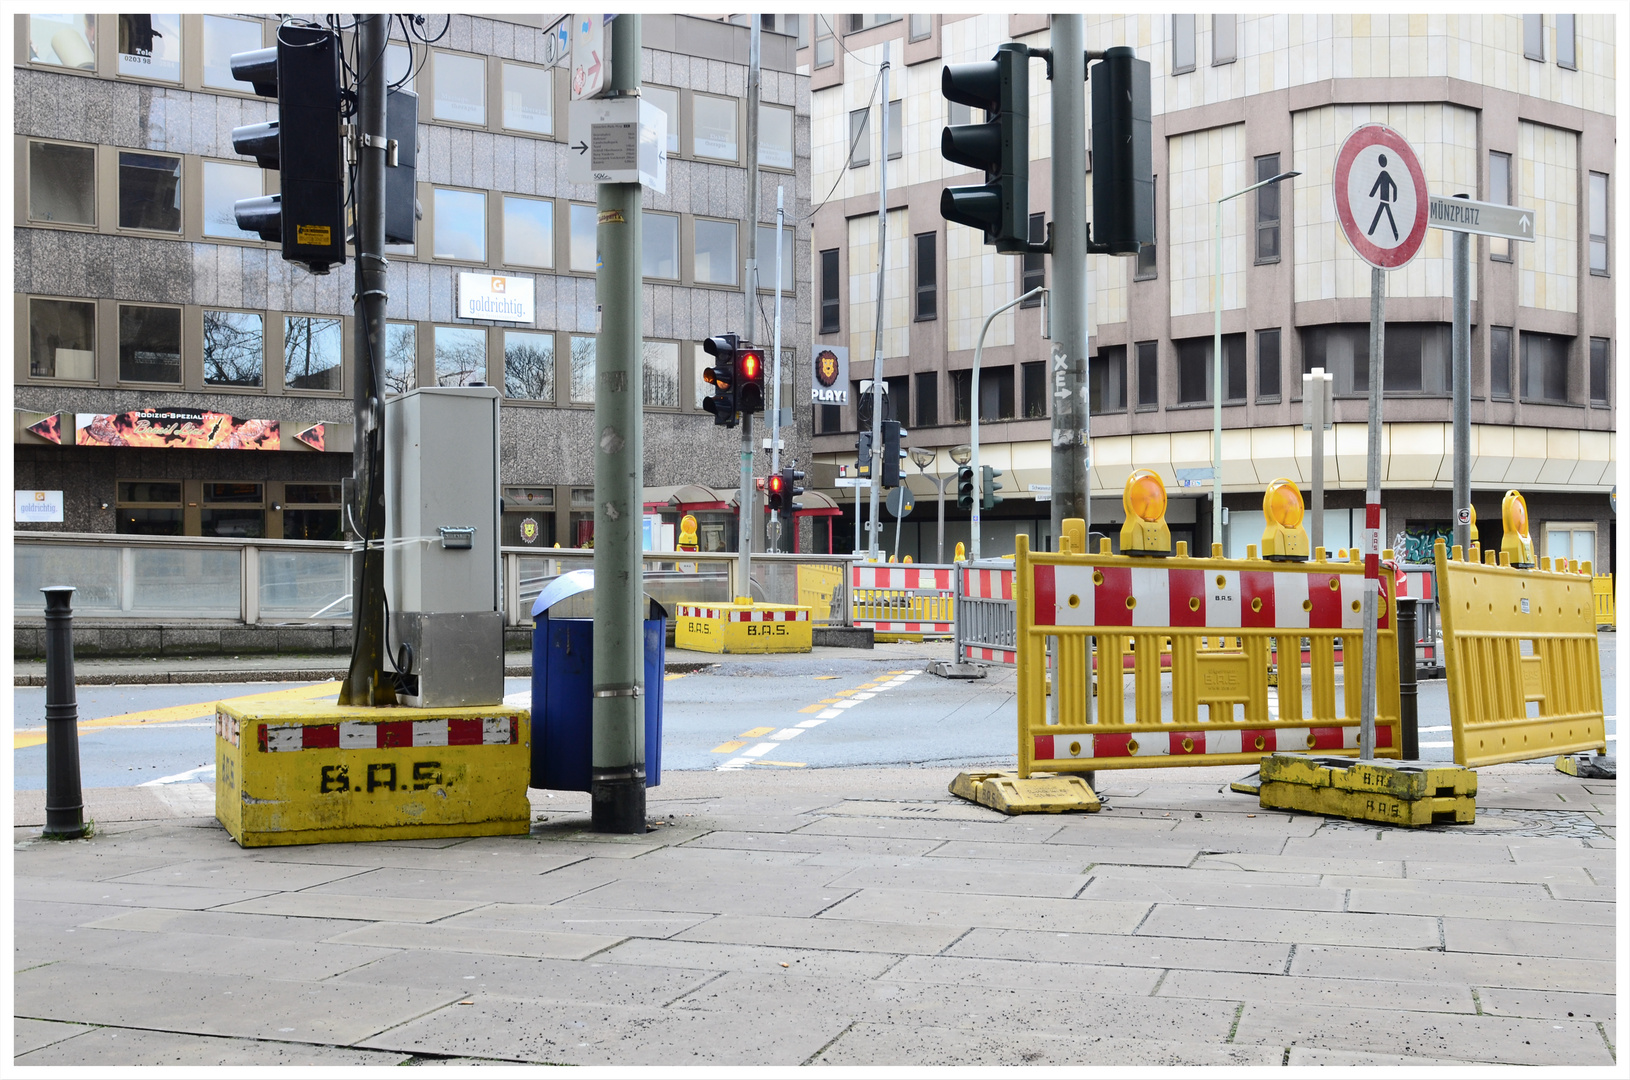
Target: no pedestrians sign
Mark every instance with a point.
(1381, 197)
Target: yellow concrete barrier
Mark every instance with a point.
(1601, 590)
(743, 628)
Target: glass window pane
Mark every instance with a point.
(149, 192)
(713, 122)
(716, 252)
(461, 355)
(1533, 37)
(584, 248)
(399, 66)
(582, 370)
(461, 225)
(148, 491)
(668, 101)
(528, 98)
(224, 184)
(222, 38)
(62, 183)
(62, 340)
(921, 26)
(233, 493)
(461, 88)
(775, 137)
(234, 348)
(401, 358)
(312, 352)
(529, 366)
(149, 344)
(1500, 362)
(1565, 41)
(860, 138)
(63, 40)
(766, 258)
(311, 493)
(661, 374)
(660, 259)
(1182, 43)
(150, 46)
(529, 231)
(897, 139)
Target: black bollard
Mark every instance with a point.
(64, 801)
(1408, 718)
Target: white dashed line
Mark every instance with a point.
(837, 709)
(787, 733)
(830, 714)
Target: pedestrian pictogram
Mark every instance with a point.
(1381, 197)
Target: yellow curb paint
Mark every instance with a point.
(729, 747)
(756, 732)
(203, 710)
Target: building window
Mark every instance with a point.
(660, 374)
(1195, 368)
(660, 242)
(857, 23)
(1146, 267)
(1533, 37)
(1224, 40)
(713, 127)
(529, 98)
(1267, 210)
(829, 292)
(1544, 367)
(958, 113)
(582, 387)
(401, 358)
(63, 40)
(233, 509)
(1234, 367)
(1499, 192)
(668, 101)
(398, 66)
(1106, 382)
(897, 127)
(767, 257)
(996, 394)
(460, 88)
(311, 512)
(1500, 362)
(928, 399)
(529, 366)
(1034, 271)
(860, 138)
(62, 183)
(149, 344)
(1344, 351)
(829, 419)
(585, 256)
(927, 277)
(825, 48)
(1267, 365)
(1598, 223)
(224, 184)
(234, 348)
(1599, 371)
(1182, 44)
(1148, 374)
(920, 27)
(1417, 359)
(461, 355)
(149, 192)
(1035, 389)
(961, 391)
(460, 225)
(1566, 53)
(775, 137)
(529, 231)
(149, 507)
(716, 256)
(312, 352)
(150, 47)
(222, 38)
(62, 340)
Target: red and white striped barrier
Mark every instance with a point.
(924, 595)
(741, 615)
(982, 584)
(902, 577)
(1210, 740)
(359, 735)
(1136, 596)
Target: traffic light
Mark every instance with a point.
(865, 402)
(863, 454)
(791, 489)
(775, 493)
(750, 372)
(307, 216)
(892, 453)
(401, 202)
(1000, 146)
(1123, 183)
(964, 487)
(988, 488)
(722, 377)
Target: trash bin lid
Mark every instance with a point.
(572, 583)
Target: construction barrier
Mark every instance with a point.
(1601, 589)
(1421, 584)
(904, 599)
(986, 614)
(1524, 670)
(743, 628)
(1408, 793)
(1227, 621)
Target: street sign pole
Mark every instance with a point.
(1461, 376)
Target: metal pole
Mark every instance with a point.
(365, 682)
(617, 779)
(1313, 384)
(748, 522)
(1216, 380)
(1071, 420)
(877, 337)
(939, 482)
(775, 395)
(1461, 376)
(1372, 512)
(973, 425)
(64, 801)
(1408, 706)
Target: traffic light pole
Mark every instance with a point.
(1071, 450)
(748, 519)
(617, 776)
(877, 336)
(775, 373)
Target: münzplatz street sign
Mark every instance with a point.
(1485, 219)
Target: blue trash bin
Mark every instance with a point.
(563, 690)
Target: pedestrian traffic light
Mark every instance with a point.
(722, 377)
(863, 454)
(892, 453)
(964, 487)
(750, 376)
(775, 493)
(791, 489)
(988, 487)
(1123, 183)
(307, 216)
(1000, 146)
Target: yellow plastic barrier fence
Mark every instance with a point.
(1601, 587)
(1226, 620)
(904, 599)
(1520, 649)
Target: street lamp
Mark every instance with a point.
(973, 408)
(923, 457)
(1216, 357)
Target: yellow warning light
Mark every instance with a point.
(907, 558)
(961, 553)
(1474, 524)
(1516, 543)
(687, 533)
(1145, 531)
(1283, 537)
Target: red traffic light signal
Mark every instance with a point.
(750, 368)
(775, 488)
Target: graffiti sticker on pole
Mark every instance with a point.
(1381, 196)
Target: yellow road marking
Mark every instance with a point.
(818, 706)
(675, 675)
(27, 737)
(729, 747)
(820, 677)
(756, 732)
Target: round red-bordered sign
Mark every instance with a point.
(1381, 197)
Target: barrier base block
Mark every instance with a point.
(305, 772)
(1588, 766)
(1409, 793)
(1033, 795)
(1248, 785)
(959, 670)
(744, 628)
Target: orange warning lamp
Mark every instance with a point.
(961, 553)
(1145, 531)
(1284, 539)
(687, 533)
(1516, 544)
(1473, 510)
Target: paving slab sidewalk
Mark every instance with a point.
(858, 917)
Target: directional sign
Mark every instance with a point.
(1381, 196)
(618, 141)
(1195, 477)
(1483, 218)
(591, 56)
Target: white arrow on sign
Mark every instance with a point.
(1485, 219)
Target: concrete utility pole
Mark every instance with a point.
(1071, 425)
(365, 682)
(617, 776)
(1461, 376)
(877, 337)
(749, 291)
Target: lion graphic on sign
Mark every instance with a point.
(826, 367)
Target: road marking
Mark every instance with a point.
(179, 777)
(170, 714)
(821, 677)
(817, 722)
(787, 733)
(818, 706)
(830, 714)
(729, 747)
(759, 751)
(783, 764)
(670, 677)
(757, 732)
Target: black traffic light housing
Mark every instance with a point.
(892, 453)
(863, 453)
(307, 216)
(1123, 184)
(964, 487)
(1000, 146)
(401, 197)
(775, 493)
(791, 489)
(988, 488)
(722, 377)
(750, 378)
